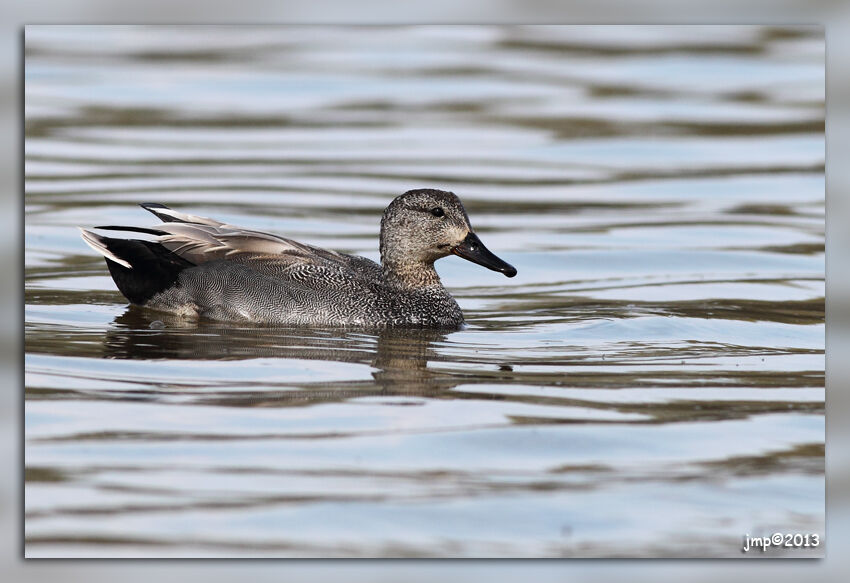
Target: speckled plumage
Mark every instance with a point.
(199, 267)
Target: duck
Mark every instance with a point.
(200, 268)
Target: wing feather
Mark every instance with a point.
(201, 243)
(201, 240)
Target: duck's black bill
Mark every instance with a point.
(472, 249)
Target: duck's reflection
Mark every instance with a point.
(399, 356)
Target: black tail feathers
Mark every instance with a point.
(152, 267)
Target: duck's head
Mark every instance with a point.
(421, 226)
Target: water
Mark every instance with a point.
(650, 384)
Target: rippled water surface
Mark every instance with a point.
(650, 384)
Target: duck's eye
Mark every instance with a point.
(437, 211)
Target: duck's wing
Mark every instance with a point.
(201, 240)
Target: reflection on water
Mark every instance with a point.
(399, 357)
(650, 384)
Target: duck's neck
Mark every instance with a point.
(410, 275)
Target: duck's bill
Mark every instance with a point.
(472, 249)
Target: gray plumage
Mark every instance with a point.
(199, 267)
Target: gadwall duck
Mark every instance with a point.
(202, 268)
